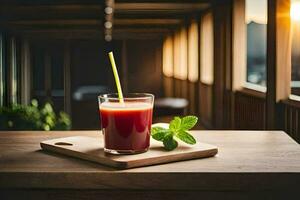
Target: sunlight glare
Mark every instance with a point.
(295, 11)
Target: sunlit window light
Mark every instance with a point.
(168, 56)
(206, 49)
(180, 54)
(183, 54)
(193, 63)
(295, 11)
(176, 55)
(256, 11)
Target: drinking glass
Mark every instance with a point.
(126, 123)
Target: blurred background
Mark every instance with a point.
(189, 54)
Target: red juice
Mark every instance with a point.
(126, 126)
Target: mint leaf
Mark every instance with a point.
(158, 133)
(175, 124)
(169, 142)
(188, 122)
(186, 137)
(157, 129)
(178, 128)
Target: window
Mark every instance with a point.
(193, 63)
(206, 49)
(168, 56)
(295, 59)
(180, 54)
(256, 31)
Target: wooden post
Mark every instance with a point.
(12, 71)
(25, 72)
(67, 78)
(278, 59)
(2, 79)
(47, 63)
(222, 64)
(239, 45)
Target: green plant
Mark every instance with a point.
(178, 128)
(33, 117)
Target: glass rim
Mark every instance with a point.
(115, 96)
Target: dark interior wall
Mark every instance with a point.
(144, 63)
(88, 64)
(140, 71)
(139, 64)
(89, 69)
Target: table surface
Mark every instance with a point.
(246, 160)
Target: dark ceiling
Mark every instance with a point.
(86, 18)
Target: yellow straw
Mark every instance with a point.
(117, 79)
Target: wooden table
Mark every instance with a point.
(250, 164)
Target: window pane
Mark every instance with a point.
(295, 24)
(180, 54)
(206, 51)
(256, 23)
(193, 52)
(168, 56)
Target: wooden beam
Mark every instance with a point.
(164, 1)
(164, 22)
(50, 12)
(96, 22)
(49, 2)
(150, 15)
(160, 6)
(63, 34)
(142, 30)
(49, 8)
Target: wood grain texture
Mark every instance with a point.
(250, 110)
(239, 49)
(91, 149)
(283, 50)
(144, 195)
(247, 160)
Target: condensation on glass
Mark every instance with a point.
(256, 29)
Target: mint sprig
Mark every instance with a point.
(178, 128)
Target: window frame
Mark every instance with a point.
(239, 50)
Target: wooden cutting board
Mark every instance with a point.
(89, 148)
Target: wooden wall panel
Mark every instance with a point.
(222, 18)
(144, 61)
(192, 96)
(168, 85)
(249, 111)
(205, 104)
(290, 114)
